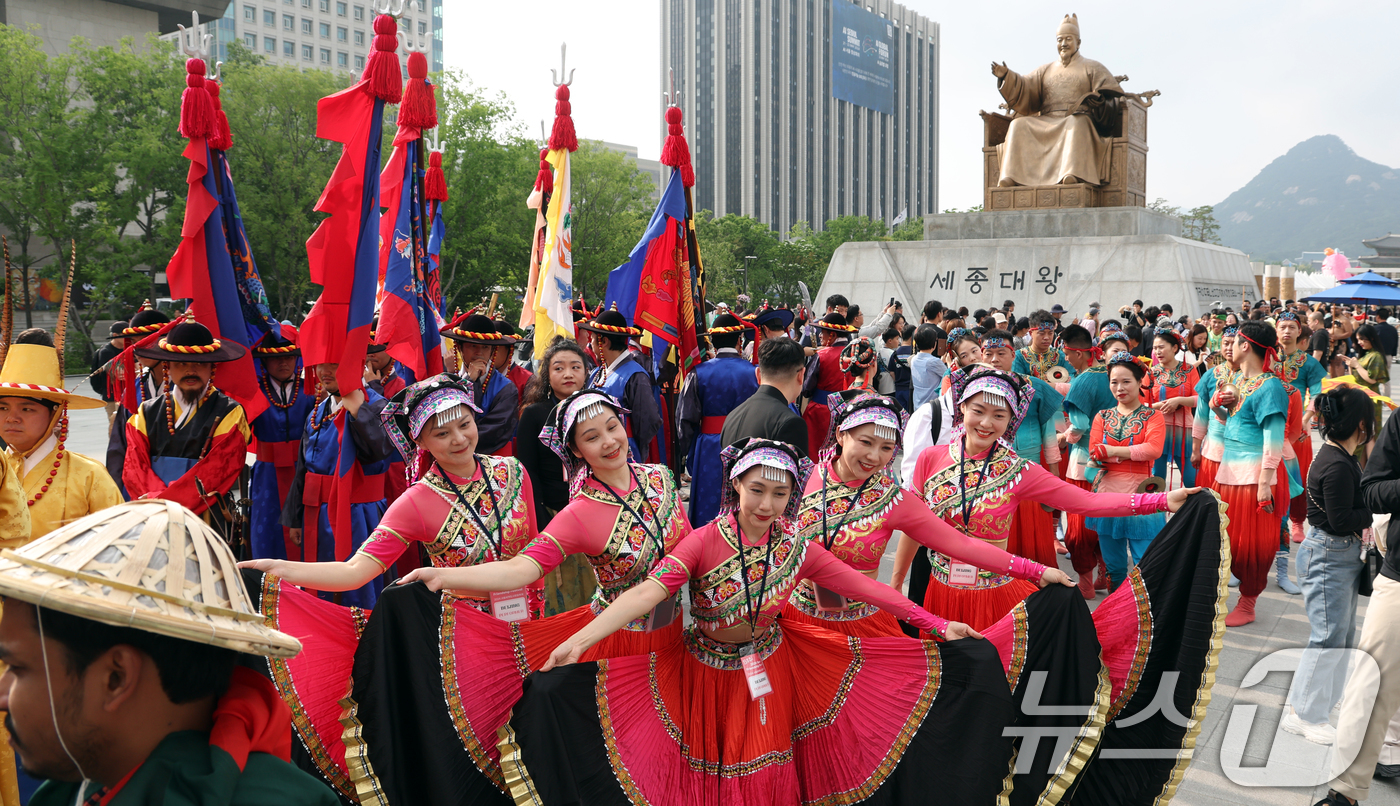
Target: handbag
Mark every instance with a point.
(1371, 562)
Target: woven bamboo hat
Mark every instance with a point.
(151, 565)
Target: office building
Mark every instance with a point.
(101, 22)
(806, 110)
(321, 34)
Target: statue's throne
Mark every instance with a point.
(1126, 184)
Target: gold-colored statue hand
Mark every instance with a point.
(1000, 70)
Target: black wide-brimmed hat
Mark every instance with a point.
(834, 322)
(771, 317)
(374, 347)
(191, 342)
(506, 330)
(476, 328)
(727, 324)
(280, 342)
(144, 322)
(609, 322)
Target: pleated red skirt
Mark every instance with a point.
(978, 608)
(1033, 534)
(1205, 474)
(1253, 532)
(1082, 542)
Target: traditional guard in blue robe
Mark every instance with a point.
(349, 494)
(278, 433)
(476, 340)
(710, 392)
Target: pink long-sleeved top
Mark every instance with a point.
(992, 495)
(708, 558)
(862, 517)
(622, 543)
(431, 513)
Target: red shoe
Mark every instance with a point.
(1295, 528)
(1086, 585)
(1060, 547)
(1242, 614)
(1101, 584)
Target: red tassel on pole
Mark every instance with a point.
(562, 136)
(434, 182)
(419, 109)
(382, 76)
(196, 108)
(220, 138)
(676, 151)
(544, 180)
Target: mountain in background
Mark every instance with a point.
(1319, 194)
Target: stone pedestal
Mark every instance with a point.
(1038, 258)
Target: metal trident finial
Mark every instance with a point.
(672, 98)
(393, 8)
(434, 143)
(218, 74)
(408, 46)
(555, 78)
(189, 37)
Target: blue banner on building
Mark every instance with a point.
(862, 57)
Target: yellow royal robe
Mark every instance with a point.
(82, 486)
(14, 532)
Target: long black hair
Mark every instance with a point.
(1343, 410)
(538, 387)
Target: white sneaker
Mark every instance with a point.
(1317, 734)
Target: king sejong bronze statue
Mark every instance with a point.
(1075, 137)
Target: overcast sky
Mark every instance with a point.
(1241, 82)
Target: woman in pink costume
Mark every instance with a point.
(976, 482)
(852, 506)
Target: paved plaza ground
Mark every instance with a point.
(1281, 624)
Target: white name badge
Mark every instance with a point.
(962, 573)
(511, 605)
(754, 673)
(664, 614)
(829, 601)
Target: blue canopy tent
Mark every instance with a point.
(1363, 289)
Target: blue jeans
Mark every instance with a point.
(1177, 448)
(1329, 568)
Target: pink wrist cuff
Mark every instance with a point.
(1021, 568)
(1147, 503)
(928, 622)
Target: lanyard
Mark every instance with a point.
(829, 537)
(651, 512)
(744, 574)
(495, 510)
(966, 504)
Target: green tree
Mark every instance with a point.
(739, 252)
(39, 106)
(279, 168)
(490, 165)
(1199, 224)
(612, 203)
